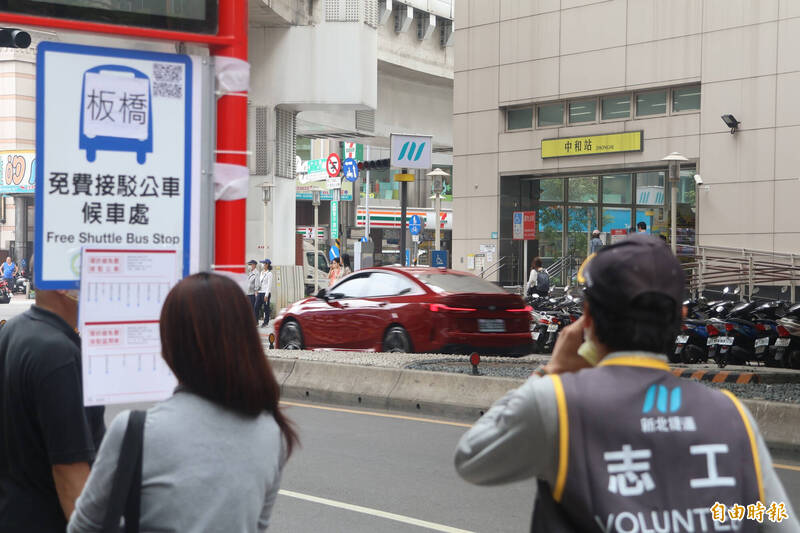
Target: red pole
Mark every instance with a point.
(231, 137)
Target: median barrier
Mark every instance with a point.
(461, 396)
(447, 394)
(779, 423)
(282, 368)
(343, 384)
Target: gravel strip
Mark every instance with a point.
(778, 392)
(519, 368)
(392, 360)
(781, 392)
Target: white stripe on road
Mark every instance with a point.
(374, 512)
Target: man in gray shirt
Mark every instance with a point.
(596, 243)
(626, 445)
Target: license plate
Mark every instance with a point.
(711, 341)
(682, 339)
(491, 325)
(552, 327)
(725, 341)
(535, 335)
(784, 342)
(763, 341)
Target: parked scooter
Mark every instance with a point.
(21, 283)
(785, 351)
(5, 292)
(550, 315)
(765, 317)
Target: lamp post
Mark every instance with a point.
(438, 175)
(315, 203)
(674, 159)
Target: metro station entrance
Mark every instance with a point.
(569, 207)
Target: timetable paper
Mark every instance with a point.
(121, 295)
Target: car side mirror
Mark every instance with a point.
(322, 294)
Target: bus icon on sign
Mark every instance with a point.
(116, 115)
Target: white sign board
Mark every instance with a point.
(122, 292)
(333, 183)
(411, 151)
(114, 155)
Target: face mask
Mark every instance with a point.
(588, 350)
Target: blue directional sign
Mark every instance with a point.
(350, 168)
(439, 258)
(333, 253)
(415, 224)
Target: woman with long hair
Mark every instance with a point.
(213, 453)
(335, 271)
(346, 269)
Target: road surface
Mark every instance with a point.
(18, 304)
(363, 471)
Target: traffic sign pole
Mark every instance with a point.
(229, 234)
(403, 212)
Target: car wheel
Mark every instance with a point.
(291, 337)
(396, 340)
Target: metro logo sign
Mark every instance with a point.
(411, 151)
(410, 155)
(524, 223)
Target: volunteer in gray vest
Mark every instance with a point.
(626, 446)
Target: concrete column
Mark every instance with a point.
(21, 228)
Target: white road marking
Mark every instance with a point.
(374, 512)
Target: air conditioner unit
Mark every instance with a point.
(426, 23)
(384, 11)
(403, 17)
(446, 34)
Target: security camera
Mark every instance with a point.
(698, 180)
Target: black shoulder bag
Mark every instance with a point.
(126, 490)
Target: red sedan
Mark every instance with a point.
(408, 310)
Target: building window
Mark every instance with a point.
(550, 231)
(582, 111)
(519, 119)
(549, 190)
(616, 218)
(583, 189)
(650, 188)
(686, 99)
(652, 103)
(615, 107)
(617, 189)
(686, 187)
(550, 115)
(303, 149)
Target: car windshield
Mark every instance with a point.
(322, 262)
(457, 283)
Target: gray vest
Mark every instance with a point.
(647, 452)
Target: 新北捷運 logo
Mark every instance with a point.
(408, 151)
(662, 399)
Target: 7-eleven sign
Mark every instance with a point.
(350, 150)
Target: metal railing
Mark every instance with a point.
(708, 266)
(494, 268)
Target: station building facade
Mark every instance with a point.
(567, 108)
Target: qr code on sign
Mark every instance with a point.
(168, 73)
(167, 90)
